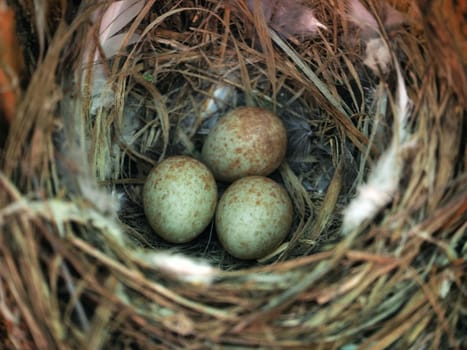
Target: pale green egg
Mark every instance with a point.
(253, 217)
(179, 198)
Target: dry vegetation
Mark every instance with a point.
(80, 267)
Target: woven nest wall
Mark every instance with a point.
(372, 95)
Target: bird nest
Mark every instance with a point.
(372, 95)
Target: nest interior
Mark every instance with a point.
(375, 168)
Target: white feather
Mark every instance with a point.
(384, 179)
(194, 271)
(118, 15)
(377, 55)
(115, 17)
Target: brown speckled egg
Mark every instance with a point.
(179, 198)
(253, 216)
(247, 141)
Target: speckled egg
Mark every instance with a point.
(253, 216)
(179, 198)
(246, 141)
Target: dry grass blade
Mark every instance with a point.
(340, 114)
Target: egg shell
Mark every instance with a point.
(179, 198)
(247, 141)
(253, 217)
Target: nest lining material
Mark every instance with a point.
(83, 272)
